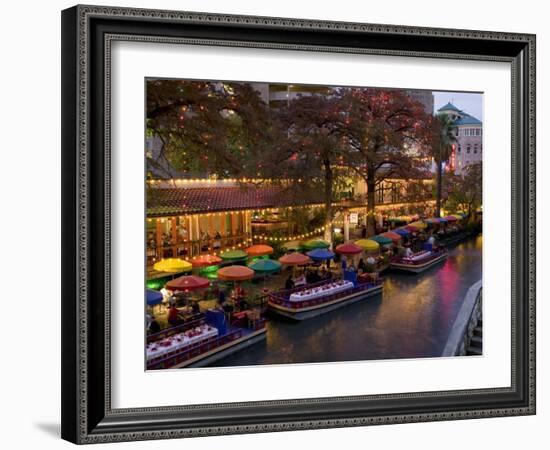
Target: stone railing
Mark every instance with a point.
(466, 321)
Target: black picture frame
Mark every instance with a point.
(87, 416)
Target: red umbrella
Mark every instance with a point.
(235, 273)
(259, 250)
(411, 228)
(187, 283)
(206, 260)
(450, 218)
(348, 249)
(392, 235)
(294, 259)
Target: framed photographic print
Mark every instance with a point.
(281, 224)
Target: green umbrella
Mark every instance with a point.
(382, 240)
(233, 255)
(265, 266)
(315, 243)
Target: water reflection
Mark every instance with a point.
(412, 319)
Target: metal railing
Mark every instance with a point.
(465, 322)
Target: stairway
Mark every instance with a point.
(475, 346)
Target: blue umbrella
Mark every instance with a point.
(442, 220)
(320, 254)
(153, 297)
(402, 231)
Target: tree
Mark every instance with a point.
(211, 128)
(387, 134)
(465, 191)
(444, 139)
(316, 150)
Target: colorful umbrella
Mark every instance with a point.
(419, 224)
(206, 260)
(382, 240)
(395, 237)
(233, 254)
(402, 231)
(172, 265)
(368, 244)
(457, 216)
(432, 220)
(320, 254)
(153, 297)
(259, 250)
(441, 220)
(187, 283)
(450, 218)
(411, 228)
(235, 273)
(294, 259)
(348, 249)
(265, 266)
(292, 245)
(315, 243)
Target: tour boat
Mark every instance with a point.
(201, 342)
(419, 262)
(313, 300)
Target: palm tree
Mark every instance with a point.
(445, 138)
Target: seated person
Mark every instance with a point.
(289, 283)
(174, 317)
(408, 252)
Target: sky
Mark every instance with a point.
(472, 103)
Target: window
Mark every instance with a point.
(478, 132)
(475, 148)
(468, 149)
(459, 149)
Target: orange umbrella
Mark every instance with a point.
(259, 250)
(206, 260)
(235, 273)
(395, 237)
(294, 259)
(187, 283)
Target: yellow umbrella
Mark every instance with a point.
(419, 224)
(368, 244)
(457, 217)
(173, 265)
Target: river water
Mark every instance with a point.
(411, 319)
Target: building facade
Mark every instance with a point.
(469, 147)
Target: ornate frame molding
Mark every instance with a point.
(84, 420)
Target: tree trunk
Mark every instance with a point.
(371, 187)
(329, 181)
